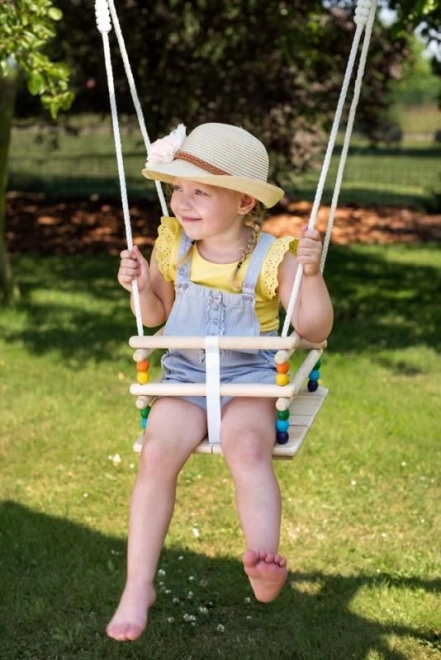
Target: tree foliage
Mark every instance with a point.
(272, 66)
(27, 27)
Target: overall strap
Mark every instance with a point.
(256, 261)
(183, 271)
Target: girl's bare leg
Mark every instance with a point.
(248, 435)
(174, 429)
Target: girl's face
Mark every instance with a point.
(207, 211)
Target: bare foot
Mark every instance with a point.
(130, 618)
(267, 574)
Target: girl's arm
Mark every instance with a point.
(156, 295)
(313, 313)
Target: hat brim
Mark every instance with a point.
(261, 190)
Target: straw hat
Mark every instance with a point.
(214, 154)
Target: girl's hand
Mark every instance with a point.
(133, 266)
(309, 251)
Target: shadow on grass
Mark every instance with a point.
(83, 314)
(379, 304)
(60, 582)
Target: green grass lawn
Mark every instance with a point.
(361, 525)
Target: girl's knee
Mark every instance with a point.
(157, 459)
(247, 449)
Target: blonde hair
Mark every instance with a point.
(254, 219)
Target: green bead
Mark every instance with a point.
(282, 414)
(318, 364)
(145, 412)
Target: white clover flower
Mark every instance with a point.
(195, 532)
(116, 459)
(161, 572)
(191, 578)
(247, 600)
(203, 610)
(175, 600)
(171, 619)
(220, 628)
(190, 594)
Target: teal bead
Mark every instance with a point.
(282, 425)
(283, 414)
(314, 374)
(143, 422)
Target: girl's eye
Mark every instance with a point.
(199, 192)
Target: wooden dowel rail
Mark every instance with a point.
(225, 343)
(200, 389)
(280, 344)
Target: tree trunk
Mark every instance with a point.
(8, 290)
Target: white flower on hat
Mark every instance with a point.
(164, 150)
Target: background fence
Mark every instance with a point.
(81, 163)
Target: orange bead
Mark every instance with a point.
(142, 377)
(282, 379)
(282, 368)
(143, 365)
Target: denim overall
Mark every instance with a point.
(201, 311)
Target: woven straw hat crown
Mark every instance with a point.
(221, 155)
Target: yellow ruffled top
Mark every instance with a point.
(218, 276)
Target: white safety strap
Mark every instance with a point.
(212, 363)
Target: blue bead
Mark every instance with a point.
(282, 438)
(282, 425)
(143, 422)
(314, 374)
(312, 385)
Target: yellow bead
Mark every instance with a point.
(142, 377)
(282, 379)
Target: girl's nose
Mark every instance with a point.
(183, 200)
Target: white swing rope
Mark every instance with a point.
(364, 17)
(104, 26)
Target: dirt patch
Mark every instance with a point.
(47, 226)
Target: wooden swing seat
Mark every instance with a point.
(303, 411)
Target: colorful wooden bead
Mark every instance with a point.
(314, 374)
(282, 368)
(282, 437)
(142, 377)
(282, 379)
(145, 412)
(143, 365)
(313, 385)
(282, 425)
(283, 414)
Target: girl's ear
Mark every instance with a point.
(246, 204)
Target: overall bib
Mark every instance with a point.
(201, 311)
